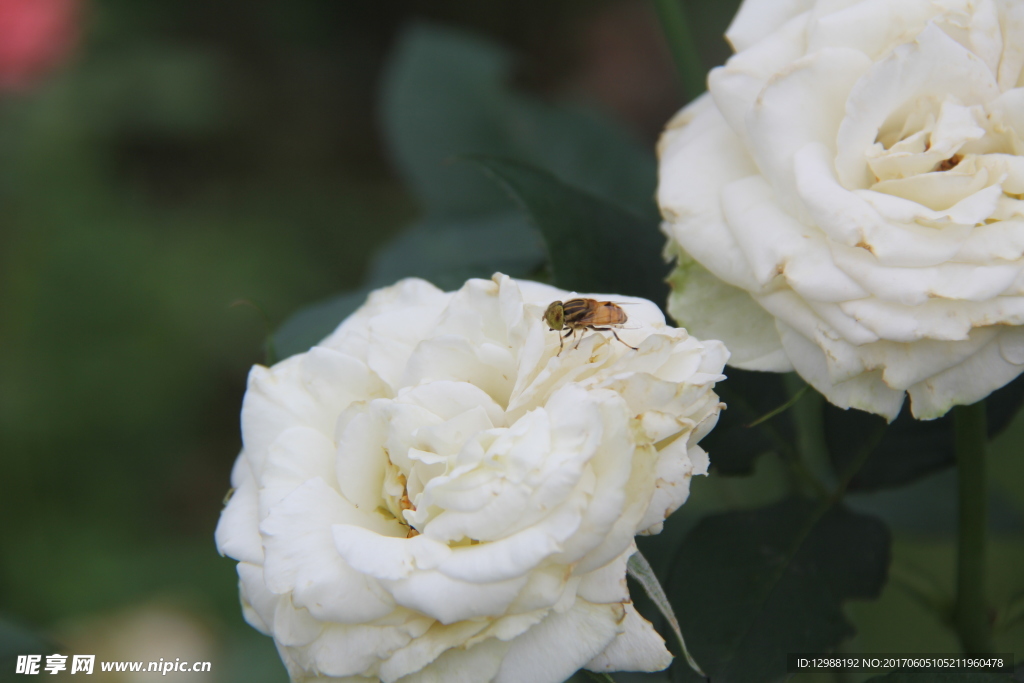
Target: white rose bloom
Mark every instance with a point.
(433, 494)
(846, 201)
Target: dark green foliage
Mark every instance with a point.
(593, 244)
(907, 449)
(748, 587)
(733, 444)
(446, 95)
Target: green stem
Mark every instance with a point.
(684, 50)
(808, 418)
(970, 612)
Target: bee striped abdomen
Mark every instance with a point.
(591, 313)
(577, 309)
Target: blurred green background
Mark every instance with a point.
(185, 156)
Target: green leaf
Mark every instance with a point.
(588, 150)
(445, 95)
(640, 569)
(594, 245)
(307, 326)
(449, 252)
(749, 587)
(907, 449)
(676, 26)
(940, 677)
(733, 445)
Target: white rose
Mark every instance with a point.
(433, 494)
(846, 200)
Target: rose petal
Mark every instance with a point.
(864, 391)
(758, 18)
(965, 383)
(296, 456)
(349, 650)
(237, 535)
(712, 309)
(689, 193)
(799, 105)
(735, 87)
(301, 558)
(870, 26)
(457, 665)
(558, 646)
(352, 336)
(637, 648)
(933, 66)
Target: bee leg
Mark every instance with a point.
(561, 344)
(617, 337)
(612, 330)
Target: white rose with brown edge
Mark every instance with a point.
(435, 493)
(846, 201)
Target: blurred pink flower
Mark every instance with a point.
(35, 36)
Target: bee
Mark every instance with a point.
(583, 314)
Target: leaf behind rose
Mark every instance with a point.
(594, 245)
(907, 449)
(733, 445)
(446, 94)
(750, 586)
